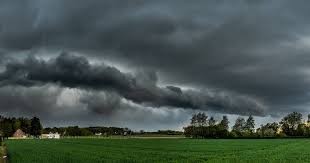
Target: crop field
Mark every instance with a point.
(158, 150)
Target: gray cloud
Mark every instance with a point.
(76, 72)
(101, 103)
(20, 100)
(241, 54)
(57, 106)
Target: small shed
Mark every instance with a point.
(19, 134)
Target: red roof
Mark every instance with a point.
(19, 133)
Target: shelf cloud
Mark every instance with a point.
(76, 72)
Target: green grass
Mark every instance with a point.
(158, 150)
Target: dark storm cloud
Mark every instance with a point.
(20, 100)
(101, 103)
(248, 49)
(76, 72)
(57, 106)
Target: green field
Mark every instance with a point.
(158, 150)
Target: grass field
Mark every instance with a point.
(158, 150)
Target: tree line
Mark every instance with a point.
(291, 125)
(87, 131)
(201, 126)
(33, 128)
(9, 125)
(105, 131)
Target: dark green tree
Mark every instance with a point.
(199, 119)
(194, 120)
(222, 128)
(250, 125)
(268, 130)
(289, 123)
(238, 128)
(25, 125)
(7, 128)
(224, 123)
(212, 121)
(36, 127)
(85, 132)
(16, 124)
(301, 130)
(202, 119)
(73, 131)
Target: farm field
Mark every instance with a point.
(158, 150)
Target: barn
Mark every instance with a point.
(19, 134)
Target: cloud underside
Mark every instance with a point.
(141, 88)
(58, 106)
(236, 57)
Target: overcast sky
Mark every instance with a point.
(151, 64)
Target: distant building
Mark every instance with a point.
(98, 134)
(19, 134)
(50, 136)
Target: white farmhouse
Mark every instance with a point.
(51, 136)
(98, 134)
